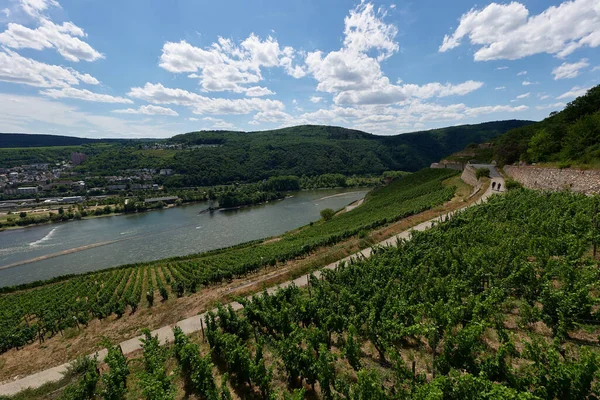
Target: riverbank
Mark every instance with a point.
(62, 349)
(146, 237)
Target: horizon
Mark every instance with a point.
(255, 131)
(158, 69)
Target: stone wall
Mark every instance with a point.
(468, 176)
(555, 179)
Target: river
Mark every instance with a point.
(43, 252)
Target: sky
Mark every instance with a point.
(155, 68)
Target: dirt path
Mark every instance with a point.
(207, 301)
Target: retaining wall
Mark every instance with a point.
(555, 179)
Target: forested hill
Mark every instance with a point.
(218, 157)
(312, 150)
(568, 137)
(12, 140)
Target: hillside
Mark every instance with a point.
(217, 157)
(314, 150)
(12, 140)
(568, 137)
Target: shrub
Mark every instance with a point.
(482, 173)
(327, 214)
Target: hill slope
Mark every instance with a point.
(313, 150)
(217, 157)
(571, 136)
(12, 140)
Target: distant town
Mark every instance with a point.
(58, 184)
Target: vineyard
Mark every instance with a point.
(44, 310)
(499, 302)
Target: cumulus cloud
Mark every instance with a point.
(576, 91)
(35, 8)
(227, 66)
(158, 94)
(569, 70)
(217, 123)
(526, 83)
(84, 94)
(64, 38)
(524, 95)
(500, 87)
(258, 91)
(16, 115)
(148, 110)
(507, 31)
(521, 73)
(316, 99)
(555, 106)
(18, 69)
(353, 73)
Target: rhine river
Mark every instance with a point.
(93, 244)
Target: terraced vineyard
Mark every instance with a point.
(499, 302)
(46, 309)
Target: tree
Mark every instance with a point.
(22, 214)
(327, 214)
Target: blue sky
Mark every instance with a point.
(156, 68)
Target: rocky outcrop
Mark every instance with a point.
(556, 179)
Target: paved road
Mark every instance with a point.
(193, 324)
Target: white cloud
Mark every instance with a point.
(501, 68)
(501, 88)
(353, 73)
(16, 115)
(258, 91)
(217, 123)
(6, 12)
(36, 7)
(507, 31)
(555, 106)
(83, 94)
(158, 94)
(521, 73)
(18, 69)
(526, 83)
(596, 68)
(148, 110)
(524, 95)
(193, 119)
(569, 70)
(576, 91)
(226, 66)
(316, 99)
(64, 38)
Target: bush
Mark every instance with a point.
(327, 214)
(482, 173)
(512, 184)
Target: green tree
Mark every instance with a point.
(327, 214)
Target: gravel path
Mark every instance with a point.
(193, 324)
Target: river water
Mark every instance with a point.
(93, 244)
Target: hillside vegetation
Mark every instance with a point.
(500, 302)
(571, 136)
(48, 309)
(211, 158)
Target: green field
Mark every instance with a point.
(500, 302)
(47, 309)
